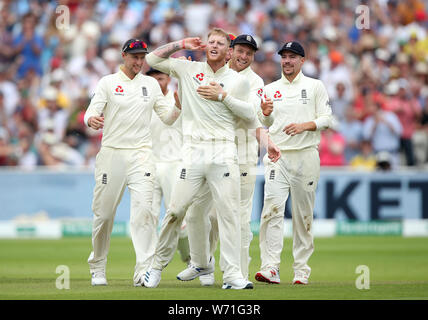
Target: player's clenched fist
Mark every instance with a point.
(96, 122)
(267, 106)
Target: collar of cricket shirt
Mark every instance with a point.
(124, 77)
(295, 80)
(220, 71)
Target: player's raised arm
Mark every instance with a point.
(185, 44)
(159, 59)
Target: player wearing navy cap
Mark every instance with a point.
(296, 109)
(122, 106)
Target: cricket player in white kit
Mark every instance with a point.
(296, 109)
(242, 55)
(167, 143)
(122, 106)
(209, 150)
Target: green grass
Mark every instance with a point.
(398, 270)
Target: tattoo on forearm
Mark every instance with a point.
(168, 49)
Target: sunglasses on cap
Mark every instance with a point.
(135, 45)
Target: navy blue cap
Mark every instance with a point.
(135, 46)
(245, 39)
(293, 46)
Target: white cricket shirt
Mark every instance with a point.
(302, 100)
(247, 144)
(127, 108)
(167, 140)
(205, 120)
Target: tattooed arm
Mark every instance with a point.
(188, 43)
(159, 59)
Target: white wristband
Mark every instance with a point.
(220, 97)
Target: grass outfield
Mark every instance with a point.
(398, 270)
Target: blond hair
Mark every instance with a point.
(221, 32)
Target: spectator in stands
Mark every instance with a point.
(408, 111)
(337, 71)
(26, 152)
(120, 22)
(197, 17)
(340, 104)
(3, 116)
(367, 97)
(332, 146)
(5, 148)
(383, 129)
(52, 117)
(352, 130)
(28, 47)
(366, 160)
(9, 90)
(420, 137)
(6, 39)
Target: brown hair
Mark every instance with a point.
(221, 32)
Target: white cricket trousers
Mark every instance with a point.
(116, 169)
(296, 174)
(222, 178)
(165, 178)
(203, 228)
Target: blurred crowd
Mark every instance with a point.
(375, 71)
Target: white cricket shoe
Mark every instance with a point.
(270, 275)
(139, 279)
(192, 271)
(99, 278)
(152, 278)
(238, 284)
(300, 277)
(207, 279)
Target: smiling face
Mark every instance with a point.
(242, 57)
(217, 48)
(133, 62)
(291, 63)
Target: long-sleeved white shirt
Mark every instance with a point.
(167, 140)
(127, 108)
(247, 144)
(304, 99)
(207, 120)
